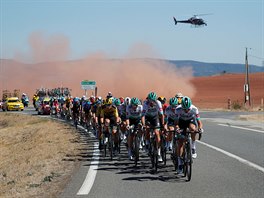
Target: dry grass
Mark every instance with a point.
(34, 155)
(255, 118)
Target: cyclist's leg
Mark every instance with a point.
(157, 130)
(113, 124)
(183, 125)
(192, 128)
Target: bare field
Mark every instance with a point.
(37, 155)
(214, 91)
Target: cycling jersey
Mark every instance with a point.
(170, 115)
(109, 112)
(76, 107)
(87, 106)
(192, 113)
(122, 111)
(132, 113)
(152, 111)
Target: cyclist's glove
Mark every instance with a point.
(200, 130)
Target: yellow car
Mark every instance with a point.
(13, 103)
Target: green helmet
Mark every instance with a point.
(117, 102)
(174, 101)
(186, 102)
(152, 96)
(135, 101)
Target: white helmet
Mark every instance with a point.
(179, 95)
(127, 101)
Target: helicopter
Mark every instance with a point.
(196, 21)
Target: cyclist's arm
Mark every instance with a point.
(102, 116)
(143, 120)
(200, 124)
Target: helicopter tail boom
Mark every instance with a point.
(175, 21)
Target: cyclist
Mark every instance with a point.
(179, 96)
(170, 118)
(152, 109)
(87, 112)
(162, 99)
(110, 95)
(133, 117)
(122, 117)
(109, 117)
(100, 103)
(76, 106)
(187, 116)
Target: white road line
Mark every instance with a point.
(234, 156)
(237, 127)
(90, 177)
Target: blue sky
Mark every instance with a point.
(113, 27)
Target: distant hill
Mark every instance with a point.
(199, 68)
(210, 69)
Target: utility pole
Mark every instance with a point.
(246, 85)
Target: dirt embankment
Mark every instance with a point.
(37, 155)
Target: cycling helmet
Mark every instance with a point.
(117, 102)
(162, 99)
(127, 101)
(109, 95)
(98, 98)
(173, 101)
(108, 101)
(92, 98)
(186, 102)
(76, 99)
(152, 96)
(122, 100)
(135, 101)
(179, 95)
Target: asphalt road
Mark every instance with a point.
(215, 173)
(230, 163)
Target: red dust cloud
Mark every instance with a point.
(128, 76)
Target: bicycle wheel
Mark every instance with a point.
(136, 149)
(154, 155)
(174, 154)
(155, 159)
(110, 143)
(163, 149)
(104, 144)
(188, 161)
(119, 140)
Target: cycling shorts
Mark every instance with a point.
(170, 122)
(112, 120)
(184, 124)
(134, 122)
(153, 121)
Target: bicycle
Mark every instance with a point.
(153, 151)
(108, 142)
(163, 147)
(135, 144)
(187, 151)
(76, 119)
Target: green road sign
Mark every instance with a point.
(86, 85)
